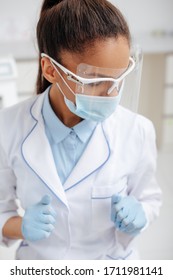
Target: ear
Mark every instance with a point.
(49, 71)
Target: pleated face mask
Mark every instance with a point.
(96, 108)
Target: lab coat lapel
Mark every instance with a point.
(94, 157)
(37, 153)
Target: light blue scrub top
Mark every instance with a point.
(67, 144)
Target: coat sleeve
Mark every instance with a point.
(8, 205)
(142, 183)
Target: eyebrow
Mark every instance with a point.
(99, 75)
(105, 76)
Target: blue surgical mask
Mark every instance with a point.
(89, 107)
(94, 108)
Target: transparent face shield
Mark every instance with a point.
(101, 82)
(98, 90)
(132, 82)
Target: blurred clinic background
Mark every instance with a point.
(151, 24)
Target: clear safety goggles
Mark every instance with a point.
(97, 81)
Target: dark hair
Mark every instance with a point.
(73, 25)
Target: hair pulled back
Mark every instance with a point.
(74, 25)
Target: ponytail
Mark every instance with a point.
(48, 4)
(74, 25)
(43, 83)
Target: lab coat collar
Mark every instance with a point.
(94, 157)
(37, 153)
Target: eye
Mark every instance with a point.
(95, 84)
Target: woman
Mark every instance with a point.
(81, 166)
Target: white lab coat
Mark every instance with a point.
(120, 158)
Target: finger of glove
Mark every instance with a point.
(136, 220)
(113, 213)
(45, 227)
(123, 203)
(128, 223)
(32, 212)
(114, 199)
(116, 206)
(46, 200)
(47, 219)
(43, 209)
(38, 215)
(131, 225)
(48, 210)
(128, 228)
(121, 215)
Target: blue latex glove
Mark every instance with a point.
(38, 220)
(127, 214)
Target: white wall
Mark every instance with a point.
(142, 16)
(18, 19)
(145, 16)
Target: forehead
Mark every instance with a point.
(110, 53)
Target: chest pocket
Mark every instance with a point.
(101, 203)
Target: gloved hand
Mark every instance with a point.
(38, 220)
(127, 213)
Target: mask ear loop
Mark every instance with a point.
(60, 89)
(63, 81)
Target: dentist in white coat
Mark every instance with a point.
(82, 167)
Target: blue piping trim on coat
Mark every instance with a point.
(24, 156)
(97, 167)
(121, 258)
(31, 111)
